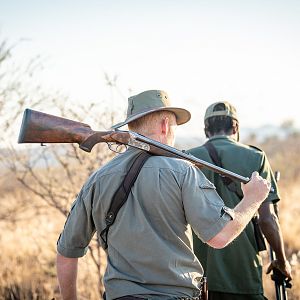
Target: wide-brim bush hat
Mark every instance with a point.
(152, 101)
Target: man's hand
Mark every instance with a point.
(257, 189)
(283, 267)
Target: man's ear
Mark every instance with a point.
(235, 128)
(206, 132)
(165, 126)
(235, 131)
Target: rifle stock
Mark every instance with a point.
(38, 127)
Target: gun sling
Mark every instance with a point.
(122, 193)
(229, 183)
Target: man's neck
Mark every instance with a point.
(161, 138)
(231, 136)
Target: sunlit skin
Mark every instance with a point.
(163, 131)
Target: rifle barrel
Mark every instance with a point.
(193, 159)
(154, 147)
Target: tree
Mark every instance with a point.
(42, 170)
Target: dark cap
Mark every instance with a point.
(222, 108)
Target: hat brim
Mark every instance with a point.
(182, 115)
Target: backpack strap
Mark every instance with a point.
(121, 195)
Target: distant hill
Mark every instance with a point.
(260, 134)
(267, 131)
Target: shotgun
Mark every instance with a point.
(39, 127)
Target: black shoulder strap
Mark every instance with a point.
(122, 193)
(254, 147)
(212, 151)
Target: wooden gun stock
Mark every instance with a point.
(38, 127)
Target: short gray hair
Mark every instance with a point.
(145, 124)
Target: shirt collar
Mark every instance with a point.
(223, 137)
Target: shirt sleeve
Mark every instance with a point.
(204, 209)
(267, 173)
(79, 227)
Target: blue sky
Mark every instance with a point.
(246, 52)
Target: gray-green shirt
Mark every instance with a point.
(150, 243)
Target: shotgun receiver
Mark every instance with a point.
(38, 127)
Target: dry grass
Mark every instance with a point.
(28, 253)
(27, 259)
(289, 212)
(28, 249)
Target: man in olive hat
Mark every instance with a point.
(149, 245)
(235, 272)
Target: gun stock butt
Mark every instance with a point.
(38, 127)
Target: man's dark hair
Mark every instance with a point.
(219, 124)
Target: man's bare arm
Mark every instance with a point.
(270, 227)
(254, 194)
(67, 276)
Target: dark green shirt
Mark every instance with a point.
(238, 267)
